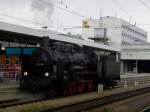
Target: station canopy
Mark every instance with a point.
(21, 34)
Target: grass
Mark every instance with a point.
(101, 110)
(107, 110)
(35, 108)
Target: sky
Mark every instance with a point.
(67, 15)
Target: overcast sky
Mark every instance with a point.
(25, 12)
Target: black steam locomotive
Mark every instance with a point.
(69, 69)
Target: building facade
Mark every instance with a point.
(117, 31)
(10, 64)
(132, 41)
(135, 58)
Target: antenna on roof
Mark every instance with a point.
(135, 23)
(100, 13)
(130, 18)
(115, 13)
(100, 22)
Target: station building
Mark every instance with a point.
(132, 41)
(135, 58)
(116, 30)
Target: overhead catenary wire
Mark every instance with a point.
(104, 25)
(65, 9)
(117, 4)
(38, 23)
(80, 15)
(144, 4)
(21, 19)
(41, 25)
(63, 27)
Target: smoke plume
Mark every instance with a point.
(43, 10)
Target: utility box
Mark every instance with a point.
(100, 33)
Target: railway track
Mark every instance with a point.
(146, 110)
(98, 101)
(7, 102)
(83, 105)
(17, 102)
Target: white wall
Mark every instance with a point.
(114, 30)
(136, 52)
(113, 33)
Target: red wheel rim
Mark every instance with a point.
(90, 85)
(81, 87)
(72, 88)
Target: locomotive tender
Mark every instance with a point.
(67, 68)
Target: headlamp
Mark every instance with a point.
(46, 74)
(25, 73)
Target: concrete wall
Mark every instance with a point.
(118, 31)
(113, 33)
(136, 52)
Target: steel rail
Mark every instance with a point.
(19, 102)
(97, 102)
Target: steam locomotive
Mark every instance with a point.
(64, 68)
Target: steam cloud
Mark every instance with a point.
(44, 10)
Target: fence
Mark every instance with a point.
(9, 71)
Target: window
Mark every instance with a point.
(17, 60)
(0, 59)
(8, 60)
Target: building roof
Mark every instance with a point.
(6, 27)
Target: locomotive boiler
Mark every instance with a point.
(69, 69)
